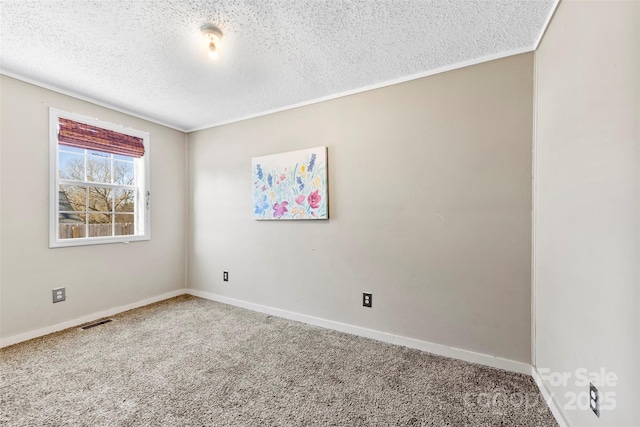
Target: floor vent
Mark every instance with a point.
(93, 325)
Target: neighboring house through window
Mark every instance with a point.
(99, 182)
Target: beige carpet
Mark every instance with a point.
(193, 362)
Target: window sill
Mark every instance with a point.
(96, 241)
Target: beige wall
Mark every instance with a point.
(96, 277)
(587, 226)
(430, 204)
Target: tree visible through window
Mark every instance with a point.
(100, 178)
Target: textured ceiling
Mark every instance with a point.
(149, 57)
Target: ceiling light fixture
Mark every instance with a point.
(213, 35)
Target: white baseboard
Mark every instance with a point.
(439, 349)
(548, 397)
(4, 342)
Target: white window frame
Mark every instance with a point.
(142, 180)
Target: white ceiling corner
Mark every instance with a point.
(150, 59)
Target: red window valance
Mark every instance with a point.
(80, 135)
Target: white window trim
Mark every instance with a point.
(143, 220)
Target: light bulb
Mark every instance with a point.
(213, 53)
(213, 36)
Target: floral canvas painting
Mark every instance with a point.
(291, 185)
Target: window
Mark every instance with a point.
(99, 182)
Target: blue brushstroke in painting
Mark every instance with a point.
(261, 205)
(312, 162)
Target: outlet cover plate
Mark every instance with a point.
(367, 299)
(594, 400)
(59, 294)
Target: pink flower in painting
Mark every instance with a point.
(300, 199)
(314, 200)
(264, 188)
(279, 209)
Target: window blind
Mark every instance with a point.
(80, 135)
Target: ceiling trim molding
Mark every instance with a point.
(546, 24)
(386, 83)
(72, 94)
